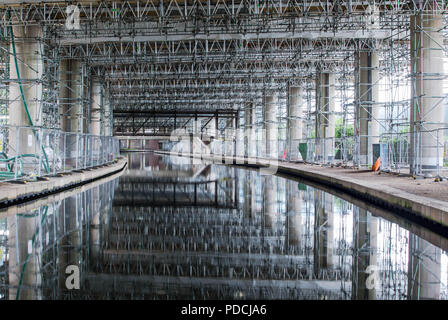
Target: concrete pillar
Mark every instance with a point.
(24, 257)
(295, 122)
(96, 107)
(325, 119)
(323, 228)
(366, 112)
(197, 125)
(427, 104)
(70, 96)
(108, 114)
(239, 137)
(270, 119)
(270, 200)
(250, 195)
(210, 129)
(30, 66)
(365, 234)
(424, 270)
(250, 144)
(294, 214)
(229, 136)
(212, 132)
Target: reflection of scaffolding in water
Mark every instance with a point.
(215, 252)
(379, 243)
(40, 244)
(393, 260)
(4, 279)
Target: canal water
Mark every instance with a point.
(168, 228)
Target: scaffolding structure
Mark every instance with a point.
(185, 57)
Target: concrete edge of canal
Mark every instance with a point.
(12, 194)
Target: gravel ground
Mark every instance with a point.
(422, 187)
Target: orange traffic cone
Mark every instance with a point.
(376, 166)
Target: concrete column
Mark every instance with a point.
(294, 214)
(249, 194)
(210, 129)
(250, 144)
(366, 112)
(424, 270)
(108, 115)
(197, 126)
(323, 228)
(364, 246)
(325, 120)
(270, 200)
(30, 66)
(239, 137)
(295, 122)
(96, 107)
(427, 104)
(229, 136)
(24, 257)
(70, 96)
(271, 134)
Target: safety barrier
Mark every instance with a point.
(31, 152)
(394, 150)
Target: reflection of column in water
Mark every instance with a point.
(24, 256)
(62, 243)
(229, 185)
(424, 269)
(270, 200)
(69, 240)
(142, 160)
(294, 214)
(95, 226)
(147, 158)
(323, 231)
(69, 253)
(236, 190)
(135, 161)
(365, 232)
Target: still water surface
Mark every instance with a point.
(168, 229)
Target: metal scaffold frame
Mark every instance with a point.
(181, 56)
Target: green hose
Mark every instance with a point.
(22, 94)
